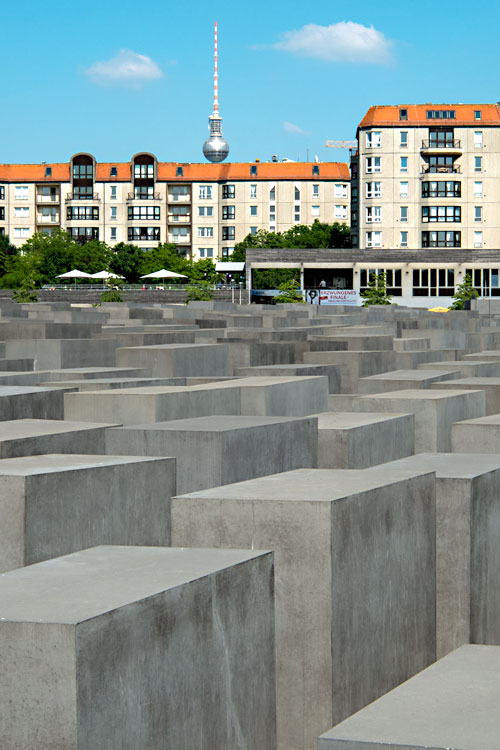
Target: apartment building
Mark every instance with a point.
(427, 176)
(205, 209)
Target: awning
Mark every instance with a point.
(229, 267)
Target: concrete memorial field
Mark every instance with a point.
(234, 527)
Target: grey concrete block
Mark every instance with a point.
(354, 365)
(129, 648)
(467, 550)
(355, 581)
(30, 402)
(56, 504)
(404, 380)
(480, 435)
(467, 368)
(451, 704)
(57, 353)
(356, 441)
(490, 386)
(33, 437)
(217, 450)
(435, 411)
(332, 372)
(177, 360)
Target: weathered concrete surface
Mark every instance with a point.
(130, 648)
(435, 411)
(31, 402)
(173, 360)
(59, 353)
(217, 450)
(331, 371)
(467, 549)
(359, 440)
(404, 379)
(490, 386)
(481, 435)
(355, 581)
(33, 437)
(56, 504)
(451, 704)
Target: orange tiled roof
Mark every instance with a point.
(417, 115)
(167, 172)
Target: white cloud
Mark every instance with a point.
(126, 67)
(295, 129)
(345, 41)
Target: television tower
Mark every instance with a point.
(215, 148)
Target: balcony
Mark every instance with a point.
(431, 169)
(41, 219)
(71, 197)
(40, 198)
(175, 198)
(176, 219)
(150, 197)
(437, 145)
(180, 239)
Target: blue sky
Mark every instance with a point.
(114, 78)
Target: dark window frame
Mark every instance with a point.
(228, 192)
(443, 240)
(443, 189)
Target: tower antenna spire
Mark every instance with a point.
(216, 147)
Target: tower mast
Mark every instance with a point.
(215, 148)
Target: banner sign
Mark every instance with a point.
(333, 297)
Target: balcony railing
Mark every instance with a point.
(47, 198)
(149, 197)
(174, 198)
(426, 169)
(72, 197)
(40, 219)
(432, 144)
(180, 239)
(175, 219)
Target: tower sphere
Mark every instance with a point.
(215, 148)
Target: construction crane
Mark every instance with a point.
(341, 144)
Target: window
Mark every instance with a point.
(82, 213)
(228, 212)
(48, 171)
(21, 193)
(253, 210)
(441, 214)
(205, 231)
(143, 212)
(144, 234)
(178, 213)
(403, 213)
(297, 193)
(340, 189)
(441, 138)
(21, 232)
(478, 213)
(403, 163)
(2, 231)
(403, 139)
(478, 139)
(179, 193)
(253, 169)
(2, 193)
(228, 192)
(144, 171)
(373, 189)
(478, 190)
(485, 281)
(112, 233)
(315, 169)
(253, 230)
(112, 192)
(227, 251)
(392, 277)
(2, 213)
(205, 210)
(205, 192)
(210, 252)
(373, 139)
(201, 251)
(179, 172)
(315, 189)
(354, 218)
(403, 239)
(83, 172)
(477, 114)
(340, 212)
(83, 192)
(373, 214)
(441, 239)
(403, 190)
(272, 194)
(440, 114)
(144, 192)
(441, 163)
(314, 210)
(21, 213)
(441, 189)
(113, 172)
(253, 191)
(478, 239)
(296, 215)
(403, 114)
(84, 233)
(431, 282)
(228, 233)
(354, 193)
(478, 164)
(113, 213)
(373, 164)
(374, 239)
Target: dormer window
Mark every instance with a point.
(315, 169)
(477, 114)
(48, 171)
(179, 172)
(253, 169)
(403, 114)
(113, 172)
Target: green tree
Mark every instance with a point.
(45, 256)
(7, 250)
(201, 292)
(376, 294)
(127, 260)
(289, 292)
(166, 256)
(464, 293)
(91, 257)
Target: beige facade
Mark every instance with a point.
(205, 209)
(427, 176)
